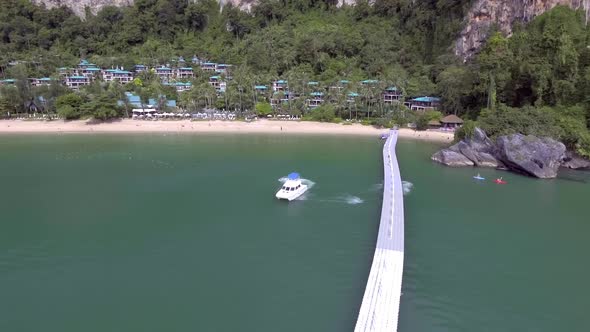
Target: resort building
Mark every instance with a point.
(122, 76)
(208, 66)
(89, 71)
(139, 68)
(75, 82)
(280, 99)
(317, 98)
(369, 82)
(165, 73)
(184, 73)
(424, 103)
(217, 83)
(352, 97)
(391, 95)
(9, 81)
(222, 68)
(181, 86)
(280, 85)
(451, 122)
(195, 60)
(85, 64)
(43, 81)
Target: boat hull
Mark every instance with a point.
(291, 195)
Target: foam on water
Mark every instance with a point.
(353, 200)
(407, 186)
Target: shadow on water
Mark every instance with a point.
(580, 176)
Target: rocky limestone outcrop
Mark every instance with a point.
(574, 161)
(538, 157)
(503, 13)
(451, 158)
(475, 151)
(79, 6)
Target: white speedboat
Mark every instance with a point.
(292, 188)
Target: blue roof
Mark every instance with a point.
(78, 77)
(139, 66)
(45, 79)
(317, 94)
(353, 94)
(64, 68)
(92, 69)
(312, 83)
(223, 65)
(186, 68)
(343, 81)
(392, 88)
(260, 87)
(163, 68)
(293, 176)
(427, 99)
(122, 72)
(209, 64)
(281, 82)
(215, 77)
(9, 80)
(171, 103)
(369, 81)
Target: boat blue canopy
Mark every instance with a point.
(293, 176)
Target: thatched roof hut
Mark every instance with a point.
(451, 120)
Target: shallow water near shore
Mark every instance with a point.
(172, 232)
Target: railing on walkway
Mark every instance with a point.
(380, 307)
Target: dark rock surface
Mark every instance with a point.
(478, 149)
(451, 158)
(574, 161)
(539, 157)
(534, 156)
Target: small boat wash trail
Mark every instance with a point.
(380, 307)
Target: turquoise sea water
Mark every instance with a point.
(178, 233)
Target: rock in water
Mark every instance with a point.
(478, 149)
(539, 157)
(451, 158)
(574, 161)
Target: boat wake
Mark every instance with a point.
(345, 199)
(407, 186)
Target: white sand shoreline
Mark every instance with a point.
(195, 127)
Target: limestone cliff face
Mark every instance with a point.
(78, 6)
(486, 13)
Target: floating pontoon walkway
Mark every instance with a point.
(380, 308)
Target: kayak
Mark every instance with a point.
(477, 177)
(500, 181)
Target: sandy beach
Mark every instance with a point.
(187, 126)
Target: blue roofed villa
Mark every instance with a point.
(317, 98)
(75, 82)
(122, 76)
(391, 95)
(165, 73)
(184, 73)
(280, 85)
(181, 86)
(208, 66)
(424, 103)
